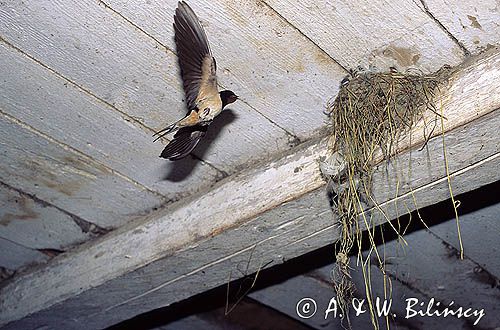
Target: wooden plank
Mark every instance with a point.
(479, 229)
(317, 285)
(38, 97)
(247, 315)
(277, 249)
(201, 251)
(68, 179)
(444, 276)
(474, 24)
(15, 256)
(35, 225)
(116, 62)
(292, 229)
(378, 33)
(273, 67)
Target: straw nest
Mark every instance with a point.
(368, 116)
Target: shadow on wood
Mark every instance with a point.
(210, 304)
(181, 169)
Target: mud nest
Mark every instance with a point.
(371, 112)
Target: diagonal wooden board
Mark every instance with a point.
(116, 62)
(37, 225)
(34, 95)
(373, 32)
(476, 27)
(270, 213)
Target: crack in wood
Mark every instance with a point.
(294, 140)
(427, 11)
(51, 253)
(108, 6)
(84, 225)
(78, 152)
(126, 117)
(17, 243)
(304, 35)
(6, 273)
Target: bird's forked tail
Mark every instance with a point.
(165, 131)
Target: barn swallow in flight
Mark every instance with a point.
(198, 72)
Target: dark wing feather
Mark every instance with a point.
(184, 141)
(193, 50)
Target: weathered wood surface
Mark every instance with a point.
(118, 63)
(447, 279)
(33, 224)
(109, 29)
(200, 252)
(15, 256)
(47, 102)
(480, 230)
(126, 250)
(317, 285)
(368, 32)
(67, 179)
(272, 66)
(425, 268)
(474, 24)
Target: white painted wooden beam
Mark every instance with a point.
(251, 218)
(172, 257)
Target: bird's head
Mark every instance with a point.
(227, 97)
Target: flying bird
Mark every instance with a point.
(198, 72)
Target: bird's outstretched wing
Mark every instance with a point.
(198, 67)
(184, 141)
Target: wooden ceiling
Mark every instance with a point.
(85, 84)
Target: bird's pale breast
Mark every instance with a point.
(213, 103)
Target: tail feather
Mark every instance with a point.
(184, 141)
(167, 130)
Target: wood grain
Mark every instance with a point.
(101, 52)
(292, 227)
(69, 180)
(207, 249)
(379, 33)
(36, 96)
(274, 68)
(475, 25)
(32, 224)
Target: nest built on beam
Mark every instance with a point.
(370, 114)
